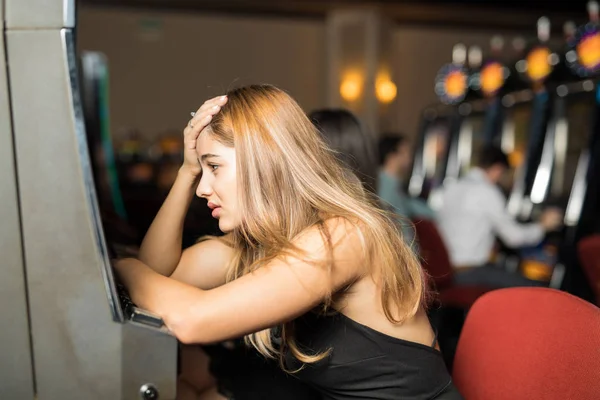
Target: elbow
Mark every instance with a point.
(184, 337)
(188, 329)
(180, 325)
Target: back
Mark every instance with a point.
(465, 219)
(367, 364)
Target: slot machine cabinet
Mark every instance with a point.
(16, 379)
(83, 347)
(575, 173)
(431, 150)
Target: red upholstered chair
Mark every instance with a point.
(529, 343)
(436, 261)
(589, 256)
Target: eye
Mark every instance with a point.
(213, 167)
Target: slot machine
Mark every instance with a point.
(16, 375)
(480, 115)
(438, 123)
(558, 169)
(86, 340)
(526, 139)
(527, 116)
(572, 170)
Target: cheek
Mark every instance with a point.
(226, 188)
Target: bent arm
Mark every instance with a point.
(511, 232)
(204, 265)
(161, 247)
(278, 292)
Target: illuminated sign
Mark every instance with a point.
(451, 84)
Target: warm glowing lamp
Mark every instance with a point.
(386, 91)
(351, 87)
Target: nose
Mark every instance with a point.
(204, 189)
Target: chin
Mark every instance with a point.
(225, 226)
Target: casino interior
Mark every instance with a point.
(93, 98)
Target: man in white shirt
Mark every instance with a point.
(474, 213)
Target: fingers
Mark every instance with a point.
(209, 107)
(201, 119)
(192, 131)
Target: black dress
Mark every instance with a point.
(367, 364)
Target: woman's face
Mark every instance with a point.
(218, 183)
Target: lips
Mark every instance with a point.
(216, 209)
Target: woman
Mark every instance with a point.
(344, 134)
(311, 271)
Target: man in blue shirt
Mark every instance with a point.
(394, 160)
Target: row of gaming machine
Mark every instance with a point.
(542, 109)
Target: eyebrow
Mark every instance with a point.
(207, 155)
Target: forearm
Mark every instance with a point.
(161, 247)
(161, 295)
(519, 235)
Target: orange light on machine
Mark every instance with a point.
(455, 84)
(515, 158)
(451, 83)
(538, 64)
(492, 78)
(536, 270)
(588, 51)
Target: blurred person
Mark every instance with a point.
(474, 213)
(395, 160)
(352, 145)
(310, 270)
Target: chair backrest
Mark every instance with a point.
(434, 254)
(589, 256)
(529, 343)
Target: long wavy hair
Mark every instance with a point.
(289, 180)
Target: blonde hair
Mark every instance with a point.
(289, 180)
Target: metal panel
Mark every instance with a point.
(40, 14)
(80, 353)
(16, 375)
(148, 357)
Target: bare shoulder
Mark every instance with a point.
(339, 240)
(338, 231)
(205, 264)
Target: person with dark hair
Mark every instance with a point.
(394, 161)
(473, 213)
(353, 146)
(491, 156)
